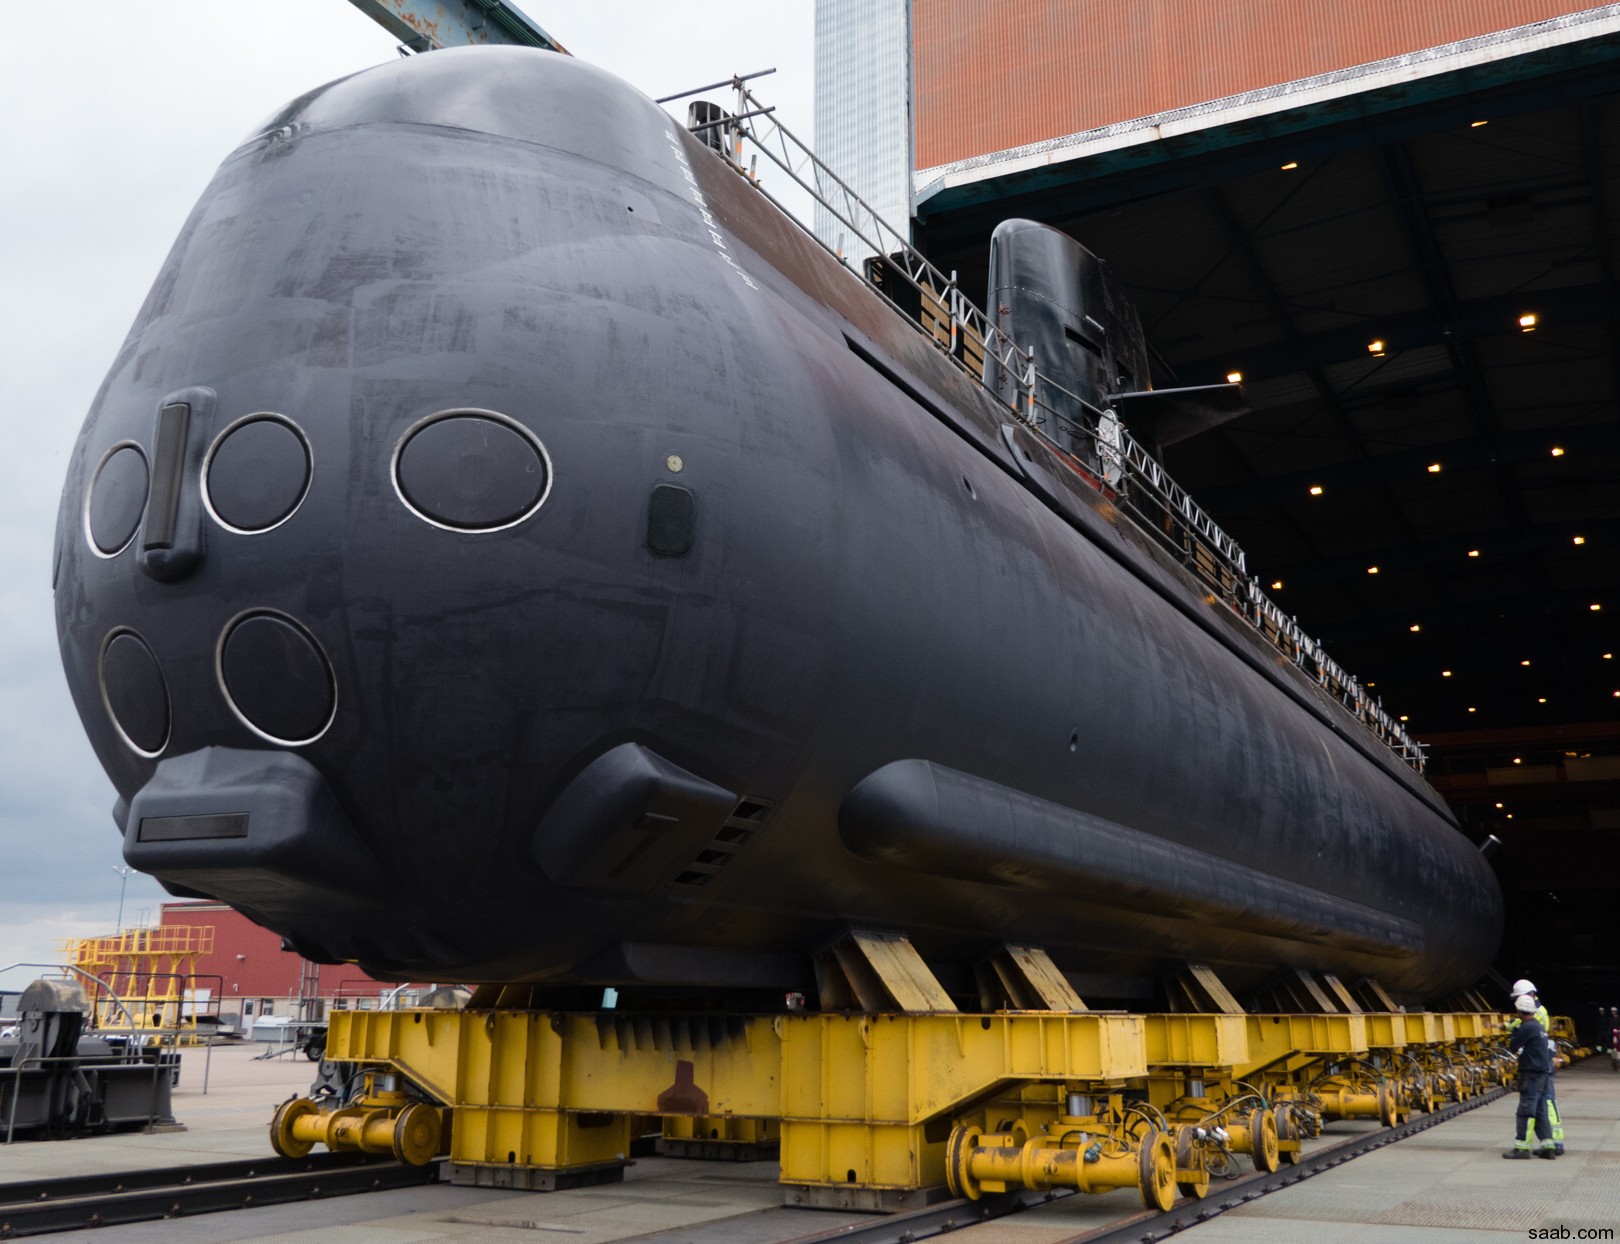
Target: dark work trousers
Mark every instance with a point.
(1533, 1087)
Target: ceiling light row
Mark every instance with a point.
(1594, 607)
(1277, 584)
(1527, 321)
(1434, 468)
(1578, 540)
(1607, 656)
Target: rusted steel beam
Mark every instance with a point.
(424, 25)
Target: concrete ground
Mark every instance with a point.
(716, 1201)
(1446, 1185)
(229, 1120)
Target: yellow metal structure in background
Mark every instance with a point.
(884, 1111)
(1562, 1030)
(144, 978)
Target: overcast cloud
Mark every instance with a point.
(116, 116)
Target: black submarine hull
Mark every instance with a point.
(506, 548)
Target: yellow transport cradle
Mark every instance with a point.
(885, 1111)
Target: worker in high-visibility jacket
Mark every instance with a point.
(1529, 1042)
(1526, 989)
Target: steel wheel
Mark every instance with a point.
(281, 1124)
(1156, 1170)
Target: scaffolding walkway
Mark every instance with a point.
(144, 979)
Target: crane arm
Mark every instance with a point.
(424, 25)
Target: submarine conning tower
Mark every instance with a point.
(1054, 297)
(1088, 366)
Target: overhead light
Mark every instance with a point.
(1376, 348)
(1558, 451)
(1524, 663)
(1499, 803)
(1276, 585)
(1316, 490)
(1517, 760)
(1434, 468)
(1292, 164)
(1510, 816)
(1541, 699)
(1234, 377)
(1415, 627)
(1472, 710)
(1527, 322)
(1372, 684)
(1608, 656)
(1405, 718)
(1580, 540)
(1473, 552)
(1474, 125)
(1595, 608)
(1372, 569)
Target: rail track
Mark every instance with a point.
(39, 1206)
(1143, 1228)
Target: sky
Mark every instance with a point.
(114, 124)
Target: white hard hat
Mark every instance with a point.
(1522, 987)
(1525, 1004)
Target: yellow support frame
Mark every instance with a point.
(1286, 1040)
(855, 1094)
(1197, 1041)
(860, 1091)
(720, 1138)
(864, 1104)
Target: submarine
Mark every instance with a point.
(508, 548)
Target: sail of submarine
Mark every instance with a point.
(507, 548)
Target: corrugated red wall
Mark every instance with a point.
(249, 959)
(992, 76)
(264, 968)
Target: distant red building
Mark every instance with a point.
(253, 975)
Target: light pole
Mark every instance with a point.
(124, 872)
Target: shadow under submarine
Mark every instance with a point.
(507, 548)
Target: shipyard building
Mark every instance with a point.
(1397, 226)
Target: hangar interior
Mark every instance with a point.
(1416, 281)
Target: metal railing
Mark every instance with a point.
(186, 940)
(1119, 466)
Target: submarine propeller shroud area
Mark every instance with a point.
(508, 548)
